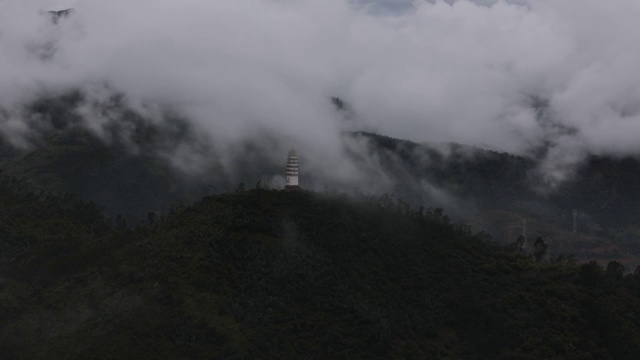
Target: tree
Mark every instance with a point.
(121, 222)
(590, 272)
(152, 217)
(539, 249)
(518, 245)
(561, 259)
(615, 269)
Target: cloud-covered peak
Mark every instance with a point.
(442, 71)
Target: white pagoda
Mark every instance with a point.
(293, 164)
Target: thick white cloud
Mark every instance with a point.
(436, 71)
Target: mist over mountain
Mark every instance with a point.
(469, 179)
(149, 159)
(466, 72)
(497, 111)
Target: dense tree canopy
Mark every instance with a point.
(293, 274)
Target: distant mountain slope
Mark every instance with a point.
(495, 192)
(603, 188)
(486, 178)
(123, 171)
(123, 183)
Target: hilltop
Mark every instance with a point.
(262, 273)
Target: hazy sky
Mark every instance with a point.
(425, 70)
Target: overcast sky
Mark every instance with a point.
(425, 70)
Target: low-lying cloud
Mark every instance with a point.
(432, 71)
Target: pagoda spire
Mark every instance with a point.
(293, 165)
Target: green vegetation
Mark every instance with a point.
(293, 274)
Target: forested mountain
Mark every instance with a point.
(263, 273)
(497, 191)
(293, 274)
(126, 167)
(143, 213)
